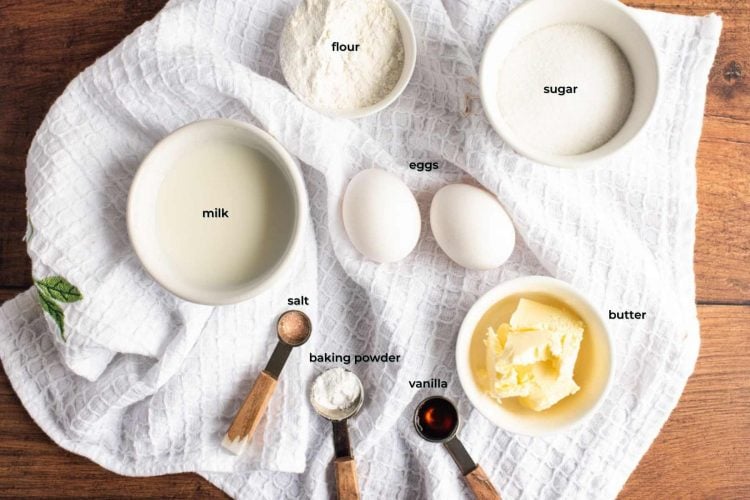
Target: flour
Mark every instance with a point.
(330, 78)
(336, 390)
(589, 89)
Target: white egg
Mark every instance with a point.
(381, 216)
(471, 226)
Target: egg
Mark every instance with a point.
(381, 216)
(471, 226)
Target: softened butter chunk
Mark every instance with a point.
(533, 357)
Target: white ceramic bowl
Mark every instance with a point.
(608, 16)
(594, 378)
(410, 60)
(144, 192)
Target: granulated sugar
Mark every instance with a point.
(565, 89)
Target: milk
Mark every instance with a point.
(225, 215)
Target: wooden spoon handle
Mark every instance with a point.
(250, 413)
(481, 485)
(347, 487)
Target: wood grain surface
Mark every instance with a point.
(702, 450)
(253, 408)
(347, 483)
(481, 485)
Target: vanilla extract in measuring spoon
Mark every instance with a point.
(436, 419)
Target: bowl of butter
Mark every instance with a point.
(534, 356)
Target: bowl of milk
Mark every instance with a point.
(216, 211)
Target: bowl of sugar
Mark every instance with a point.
(569, 83)
(216, 211)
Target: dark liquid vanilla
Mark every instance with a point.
(437, 419)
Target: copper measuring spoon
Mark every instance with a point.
(436, 420)
(293, 329)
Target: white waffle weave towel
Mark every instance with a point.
(147, 384)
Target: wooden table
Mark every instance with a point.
(702, 451)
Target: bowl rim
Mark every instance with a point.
(409, 40)
(466, 333)
(211, 297)
(582, 160)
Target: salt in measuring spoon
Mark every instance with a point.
(347, 486)
(436, 420)
(293, 329)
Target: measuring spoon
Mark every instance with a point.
(436, 420)
(347, 486)
(293, 329)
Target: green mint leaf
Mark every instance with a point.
(50, 307)
(59, 288)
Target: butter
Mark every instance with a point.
(533, 357)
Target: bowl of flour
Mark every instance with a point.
(569, 83)
(348, 58)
